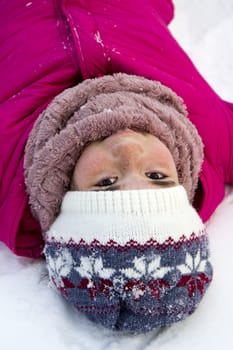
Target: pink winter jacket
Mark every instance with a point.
(47, 46)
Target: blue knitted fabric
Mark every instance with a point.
(136, 284)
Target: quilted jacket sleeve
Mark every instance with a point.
(36, 63)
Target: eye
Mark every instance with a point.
(106, 182)
(153, 175)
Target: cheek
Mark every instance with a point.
(161, 152)
(87, 168)
(168, 159)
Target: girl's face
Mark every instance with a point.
(126, 160)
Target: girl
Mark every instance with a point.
(104, 165)
(70, 41)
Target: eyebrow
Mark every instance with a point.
(111, 188)
(164, 183)
(160, 183)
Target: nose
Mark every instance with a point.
(128, 153)
(135, 181)
(129, 150)
(127, 145)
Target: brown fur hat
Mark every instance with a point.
(94, 109)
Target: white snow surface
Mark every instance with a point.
(34, 316)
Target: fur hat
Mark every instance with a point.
(94, 109)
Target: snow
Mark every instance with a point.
(98, 38)
(32, 315)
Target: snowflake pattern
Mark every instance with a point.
(91, 268)
(144, 266)
(193, 273)
(60, 265)
(134, 276)
(150, 270)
